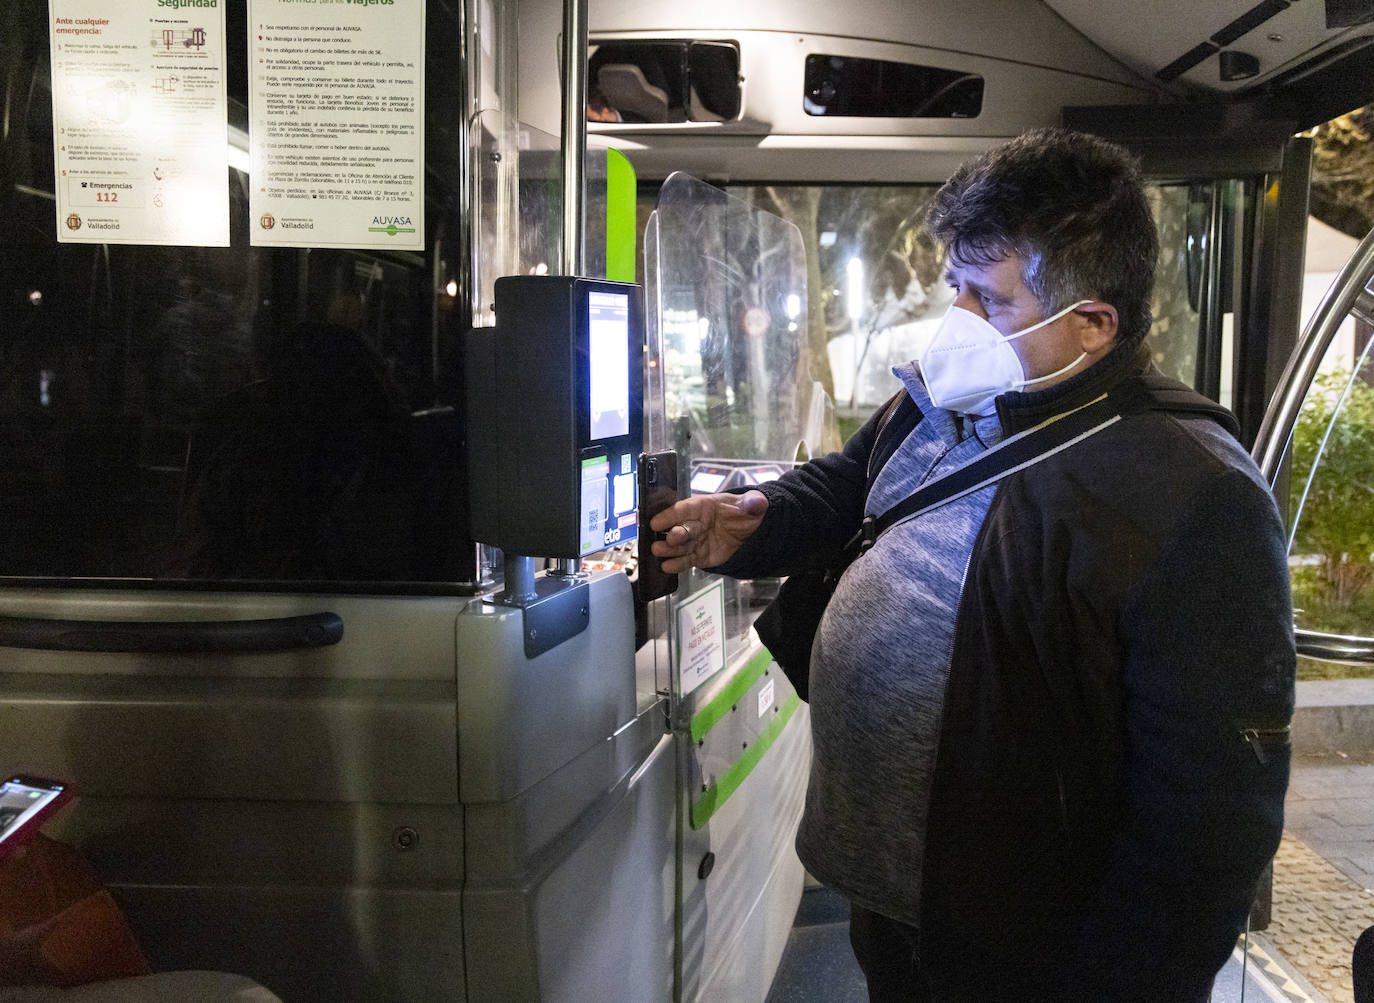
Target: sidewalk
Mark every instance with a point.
(1324, 872)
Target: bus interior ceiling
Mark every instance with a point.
(1154, 78)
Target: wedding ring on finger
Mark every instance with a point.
(686, 532)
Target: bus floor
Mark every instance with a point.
(1323, 899)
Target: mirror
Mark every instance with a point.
(662, 81)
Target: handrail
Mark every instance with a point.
(1346, 291)
(172, 637)
(1334, 647)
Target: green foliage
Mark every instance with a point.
(1343, 172)
(1335, 520)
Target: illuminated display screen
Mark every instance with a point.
(19, 803)
(608, 326)
(708, 481)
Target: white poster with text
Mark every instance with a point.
(139, 134)
(700, 637)
(336, 122)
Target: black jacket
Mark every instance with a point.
(1113, 755)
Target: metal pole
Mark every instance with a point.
(519, 581)
(1348, 293)
(574, 131)
(574, 57)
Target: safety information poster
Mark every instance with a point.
(139, 134)
(336, 122)
(700, 637)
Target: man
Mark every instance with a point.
(1049, 717)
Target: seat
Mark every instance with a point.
(164, 987)
(626, 89)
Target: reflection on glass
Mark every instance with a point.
(659, 81)
(733, 370)
(877, 289)
(875, 284)
(518, 218)
(1174, 335)
(880, 88)
(226, 414)
(727, 290)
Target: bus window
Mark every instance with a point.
(233, 413)
(877, 289)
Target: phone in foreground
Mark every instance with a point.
(25, 804)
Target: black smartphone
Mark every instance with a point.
(657, 491)
(25, 804)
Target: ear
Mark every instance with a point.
(1097, 326)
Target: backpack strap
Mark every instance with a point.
(1152, 392)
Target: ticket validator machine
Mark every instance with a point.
(558, 382)
(566, 773)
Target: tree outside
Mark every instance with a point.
(1333, 511)
(1343, 172)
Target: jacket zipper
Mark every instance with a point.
(1255, 737)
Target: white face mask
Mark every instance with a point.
(968, 362)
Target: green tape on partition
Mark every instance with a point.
(620, 218)
(716, 795)
(707, 718)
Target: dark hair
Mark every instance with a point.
(1072, 207)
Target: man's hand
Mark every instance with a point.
(706, 530)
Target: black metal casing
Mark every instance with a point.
(529, 419)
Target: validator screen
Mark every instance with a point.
(608, 326)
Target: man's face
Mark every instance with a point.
(997, 293)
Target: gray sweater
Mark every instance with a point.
(878, 673)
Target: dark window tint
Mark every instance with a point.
(877, 88)
(225, 414)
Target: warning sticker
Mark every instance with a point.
(140, 141)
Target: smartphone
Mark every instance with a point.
(657, 491)
(25, 804)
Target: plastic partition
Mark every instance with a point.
(728, 384)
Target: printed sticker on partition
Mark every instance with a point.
(596, 477)
(766, 697)
(336, 104)
(700, 637)
(139, 136)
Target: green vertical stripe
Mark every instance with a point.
(719, 792)
(620, 218)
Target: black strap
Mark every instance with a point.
(1019, 451)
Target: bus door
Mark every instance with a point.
(1230, 200)
(1316, 447)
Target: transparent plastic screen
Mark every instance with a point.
(725, 288)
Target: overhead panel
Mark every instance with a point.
(1184, 45)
